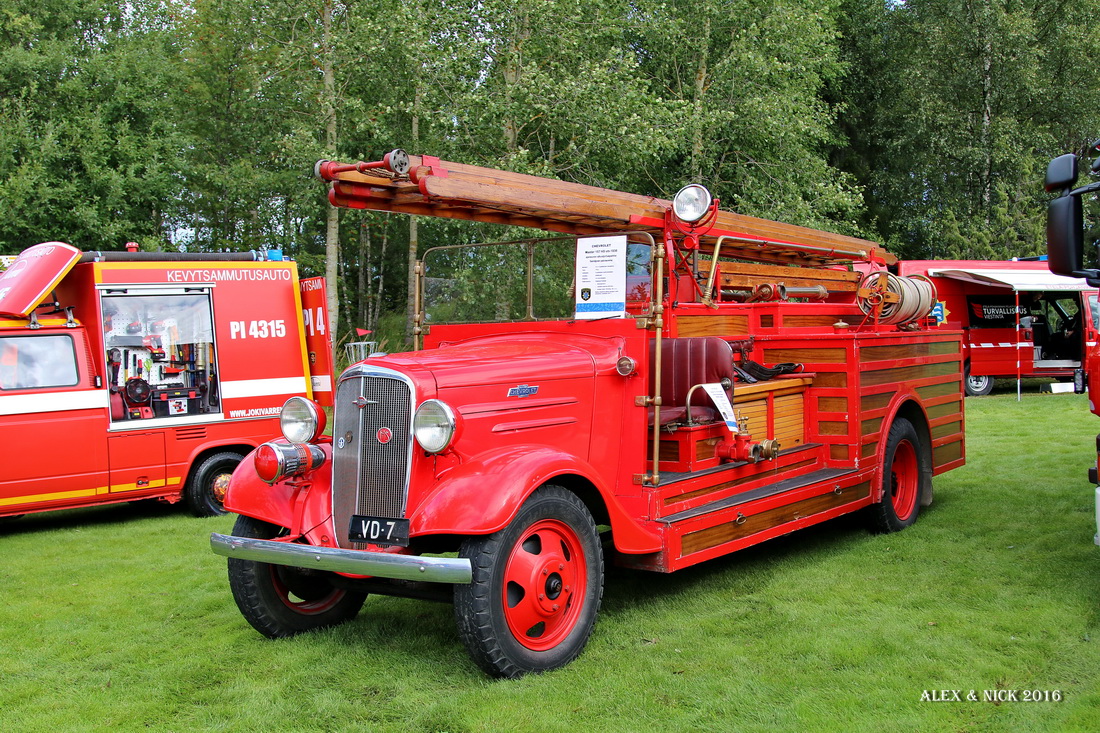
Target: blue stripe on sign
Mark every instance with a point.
(594, 307)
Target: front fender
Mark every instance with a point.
(283, 504)
(483, 495)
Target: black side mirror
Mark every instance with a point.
(1061, 172)
(1065, 247)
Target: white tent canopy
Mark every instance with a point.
(1019, 280)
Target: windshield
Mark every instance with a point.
(524, 280)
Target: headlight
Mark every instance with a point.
(691, 203)
(434, 425)
(301, 420)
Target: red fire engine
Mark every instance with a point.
(668, 380)
(1017, 317)
(155, 372)
(1066, 254)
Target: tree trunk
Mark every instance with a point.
(332, 219)
(414, 241)
(376, 304)
(363, 289)
(697, 105)
(512, 71)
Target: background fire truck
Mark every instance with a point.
(132, 375)
(1017, 317)
(1066, 255)
(638, 384)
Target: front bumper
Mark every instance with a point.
(354, 562)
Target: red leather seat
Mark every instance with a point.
(686, 362)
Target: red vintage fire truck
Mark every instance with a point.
(1017, 317)
(668, 380)
(1066, 254)
(156, 372)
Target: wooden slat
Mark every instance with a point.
(748, 275)
(772, 385)
(908, 351)
(719, 324)
(727, 531)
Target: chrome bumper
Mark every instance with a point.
(355, 562)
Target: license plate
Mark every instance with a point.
(379, 530)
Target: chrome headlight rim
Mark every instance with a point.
(692, 202)
(434, 425)
(301, 420)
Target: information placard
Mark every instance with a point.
(601, 277)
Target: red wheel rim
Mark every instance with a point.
(545, 581)
(903, 480)
(305, 606)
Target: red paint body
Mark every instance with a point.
(210, 350)
(550, 400)
(586, 428)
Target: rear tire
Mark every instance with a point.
(906, 475)
(977, 386)
(536, 590)
(279, 600)
(205, 492)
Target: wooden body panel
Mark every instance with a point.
(832, 422)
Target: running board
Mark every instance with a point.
(780, 487)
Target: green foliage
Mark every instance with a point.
(954, 107)
(88, 148)
(747, 78)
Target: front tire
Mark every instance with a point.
(205, 492)
(536, 590)
(279, 600)
(906, 476)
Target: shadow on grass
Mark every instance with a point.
(88, 517)
(400, 632)
(746, 571)
(1029, 385)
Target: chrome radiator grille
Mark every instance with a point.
(371, 448)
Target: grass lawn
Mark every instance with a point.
(120, 618)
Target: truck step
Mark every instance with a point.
(761, 492)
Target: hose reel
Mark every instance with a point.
(895, 299)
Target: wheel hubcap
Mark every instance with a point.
(545, 580)
(221, 486)
(903, 480)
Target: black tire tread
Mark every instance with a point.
(474, 606)
(883, 519)
(196, 493)
(257, 599)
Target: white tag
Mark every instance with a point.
(722, 401)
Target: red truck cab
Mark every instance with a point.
(133, 375)
(1019, 320)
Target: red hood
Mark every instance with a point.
(510, 359)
